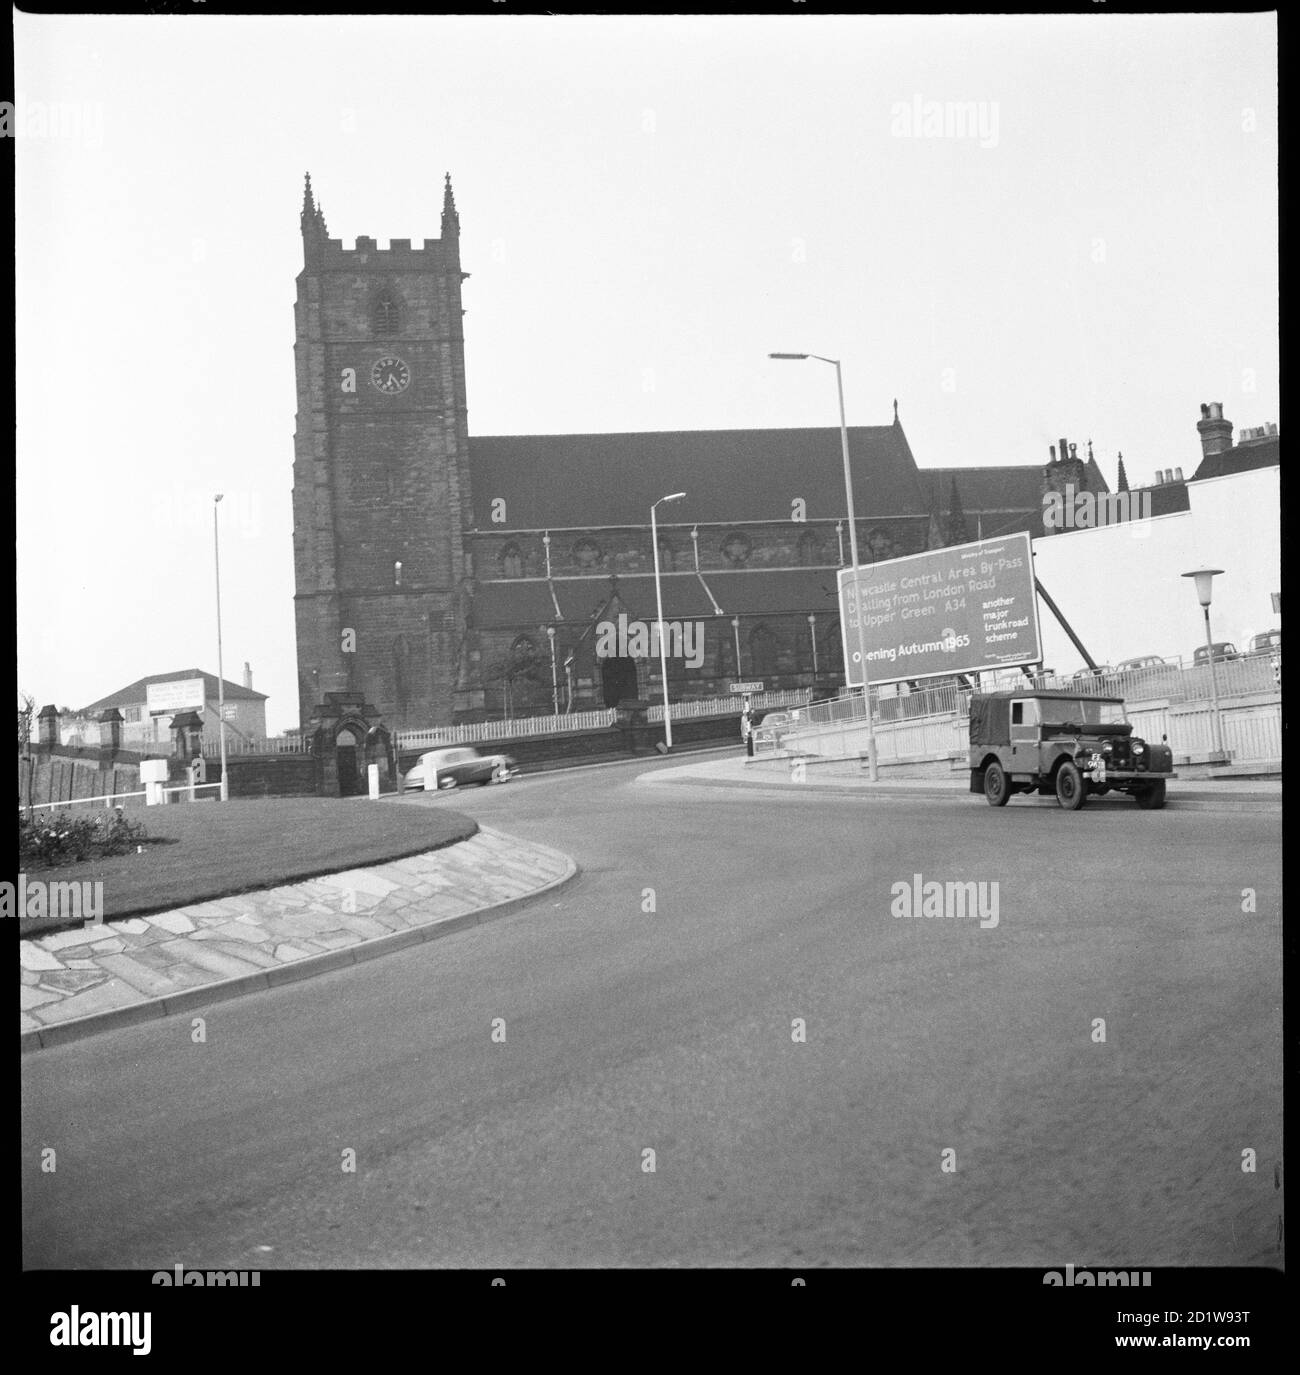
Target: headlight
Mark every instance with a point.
(1139, 747)
(1107, 746)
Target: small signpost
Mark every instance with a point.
(742, 689)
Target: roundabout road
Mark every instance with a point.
(655, 1005)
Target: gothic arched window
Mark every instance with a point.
(401, 674)
(667, 558)
(808, 551)
(762, 652)
(385, 313)
(831, 649)
(511, 561)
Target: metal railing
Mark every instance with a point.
(267, 744)
(1162, 700)
(730, 706)
(108, 799)
(505, 730)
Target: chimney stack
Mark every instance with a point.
(248, 676)
(1215, 431)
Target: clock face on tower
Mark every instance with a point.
(390, 376)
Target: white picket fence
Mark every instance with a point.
(505, 730)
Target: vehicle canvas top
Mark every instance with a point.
(990, 712)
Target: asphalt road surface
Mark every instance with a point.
(651, 1006)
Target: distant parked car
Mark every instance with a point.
(1142, 661)
(458, 766)
(1266, 642)
(1099, 672)
(1223, 651)
(772, 726)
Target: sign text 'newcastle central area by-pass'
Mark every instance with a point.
(956, 610)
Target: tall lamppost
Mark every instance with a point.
(812, 635)
(735, 629)
(221, 674)
(659, 608)
(555, 685)
(853, 553)
(1204, 578)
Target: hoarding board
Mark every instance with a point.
(185, 694)
(956, 610)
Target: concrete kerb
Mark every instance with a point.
(773, 781)
(174, 1004)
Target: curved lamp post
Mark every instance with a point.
(1204, 579)
(659, 608)
(853, 552)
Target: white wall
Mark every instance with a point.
(1119, 585)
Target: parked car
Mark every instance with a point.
(1142, 661)
(457, 766)
(773, 726)
(1223, 651)
(1266, 642)
(1101, 671)
(1064, 745)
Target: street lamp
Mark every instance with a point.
(735, 627)
(555, 687)
(812, 635)
(853, 552)
(1204, 578)
(659, 607)
(221, 676)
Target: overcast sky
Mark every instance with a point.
(648, 206)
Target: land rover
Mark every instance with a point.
(1067, 745)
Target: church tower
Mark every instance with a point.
(381, 469)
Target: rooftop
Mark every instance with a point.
(136, 693)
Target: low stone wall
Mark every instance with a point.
(271, 775)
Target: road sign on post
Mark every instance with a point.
(959, 610)
(739, 689)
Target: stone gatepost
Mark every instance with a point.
(110, 730)
(47, 725)
(187, 735)
(379, 750)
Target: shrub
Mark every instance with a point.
(47, 839)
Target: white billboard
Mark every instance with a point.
(946, 611)
(186, 694)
